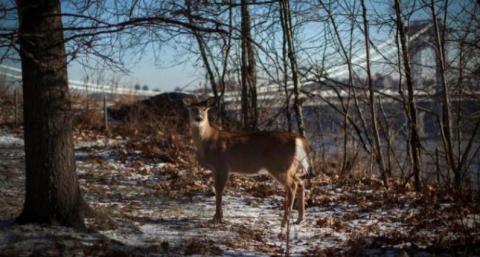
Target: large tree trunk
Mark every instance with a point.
(52, 191)
(249, 80)
(414, 140)
(372, 105)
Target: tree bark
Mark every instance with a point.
(249, 80)
(414, 140)
(288, 115)
(52, 191)
(372, 104)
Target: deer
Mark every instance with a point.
(282, 155)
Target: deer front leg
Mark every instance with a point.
(301, 201)
(221, 178)
(290, 187)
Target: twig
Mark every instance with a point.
(287, 238)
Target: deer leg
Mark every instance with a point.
(290, 187)
(300, 201)
(221, 178)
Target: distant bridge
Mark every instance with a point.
(15, 74)
(324, 96)
(420, 36)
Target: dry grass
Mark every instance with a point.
(156, 130)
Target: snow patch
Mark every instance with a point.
(10, 140)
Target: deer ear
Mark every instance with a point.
(210, 102)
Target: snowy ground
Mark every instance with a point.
(159, 209)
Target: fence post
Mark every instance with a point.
(105, 113)
(437, 165)
(15, 103)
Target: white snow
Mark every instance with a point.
(10, 140)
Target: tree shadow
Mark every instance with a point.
(171, 222)
(11, 152)
(45, 240)
(4, 224)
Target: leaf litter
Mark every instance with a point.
(157, 208)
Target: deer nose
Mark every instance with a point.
(198, 118)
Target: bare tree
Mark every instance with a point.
(413, 138)
(216, 67)
(288, 36)
(446, 123)
(345, 106)
(203, 52)
(372, 105)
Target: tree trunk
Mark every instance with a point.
(287, 28)
(288, 115)
(446, 115)
(372, 105)
(414, 140)
(226, 53)
(249, 80)
(52, 191)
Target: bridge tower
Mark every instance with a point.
(421, 38)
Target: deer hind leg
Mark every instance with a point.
(290, 188)
(300, 199)
(221, 178)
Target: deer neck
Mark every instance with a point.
(203, 133)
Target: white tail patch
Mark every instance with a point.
(301, 155)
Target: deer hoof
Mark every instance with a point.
(299, 220)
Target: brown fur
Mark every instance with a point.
(225, 152)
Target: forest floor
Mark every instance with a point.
(152, 208)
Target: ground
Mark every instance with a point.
(151, 208)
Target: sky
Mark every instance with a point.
(165, 76)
